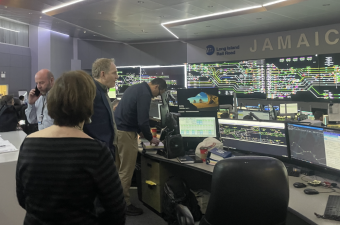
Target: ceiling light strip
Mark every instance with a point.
(10, 29)
(170, 31)
(273, 3)
(58, 32)
(214, 14)
(61, 6)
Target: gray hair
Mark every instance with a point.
(102, 64)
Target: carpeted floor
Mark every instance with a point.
(147, 218)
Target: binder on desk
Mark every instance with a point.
(215, 155)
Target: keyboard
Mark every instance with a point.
(333, 206)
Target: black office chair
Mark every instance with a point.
(245, 190)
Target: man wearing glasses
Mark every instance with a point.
(132, 118)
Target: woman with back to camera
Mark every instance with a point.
(61, 170)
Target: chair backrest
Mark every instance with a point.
(8, 118)
(248, 190)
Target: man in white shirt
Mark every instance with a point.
(37, 111)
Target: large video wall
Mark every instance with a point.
(300, 78)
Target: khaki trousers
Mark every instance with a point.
(126, 156)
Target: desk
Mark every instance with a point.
(10, 211)
(301, 206)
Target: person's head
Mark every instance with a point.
(21, 98)
(247, 117)
(105, 72)
(318, 115)
(224, 115)
(44, 80)
(158, 86)
(115, 104)
(7, 100)
(70, 101)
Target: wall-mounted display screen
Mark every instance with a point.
(173, 75)
(301, 78)
(127, 76)
(198, 99)
(246, 78)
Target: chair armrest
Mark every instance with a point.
(184, 216)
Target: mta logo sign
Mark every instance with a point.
(210, 50)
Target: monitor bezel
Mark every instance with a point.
(312, 166)
(282, 158)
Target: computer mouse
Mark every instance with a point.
(309, 191)
(299, 185)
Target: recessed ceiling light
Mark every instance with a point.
(84, 31)
(326, 4)
(5, 7)
(40, 17)
(99, 12)
(99, 26)
(94, 35)
(30, 13)
(61, 6)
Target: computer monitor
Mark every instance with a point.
(267, 108)
(197, 126)
(260, 115)
(197, 100)
(112, 93)
(260, 137)
(306, 113)
(315, 145)
(155, 111)
(291, 108)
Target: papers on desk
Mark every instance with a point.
(147, 145)
(6, 146)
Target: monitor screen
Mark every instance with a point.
(315, 145)
(276, 108)
(197, 126)
(268, 138)
(154, 111)
(307, 113)
(173, 75)
(246, 78)
(260, 115)
(197, 99)
(291, 108)
(112, 93)
(127, 76)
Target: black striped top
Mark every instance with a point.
(58, 179)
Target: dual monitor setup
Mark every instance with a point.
(309, 146)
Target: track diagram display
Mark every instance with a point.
(246, 78)
(173, 75)
(314, 77)
(127, 76)
(254, 136)
(307, 144)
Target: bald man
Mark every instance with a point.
(36, 111)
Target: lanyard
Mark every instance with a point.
(44, 103)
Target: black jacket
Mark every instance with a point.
(132, 112)
(101, 127)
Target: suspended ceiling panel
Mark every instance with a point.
(140, 21)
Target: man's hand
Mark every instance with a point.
(141, 135)
(155, 141)
(32, 98)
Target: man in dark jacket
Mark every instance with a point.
(102, 126)
(132, 118)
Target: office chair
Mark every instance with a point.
(245, 190)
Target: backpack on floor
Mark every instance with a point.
(176, 192)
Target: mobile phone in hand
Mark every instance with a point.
(36, 92)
